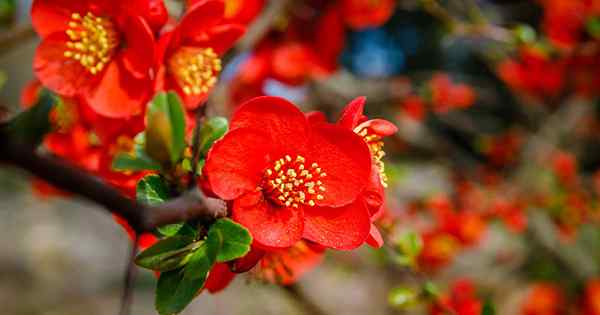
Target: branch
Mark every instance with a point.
(141, 218)
(303, 301)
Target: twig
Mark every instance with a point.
(14, 36)
(141, 218)
(303, 301)
(127, 298)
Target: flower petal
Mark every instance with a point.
(60, 74)
(283, 123)
(235, 164)
(51, 16)
(375, 239)
(199, 18)
(346, 160)
(223, 37)
(352, 115)
(249, 261)
(218, 278)
(118, 94)
(341, 228)
(380, 127)
(139, 54)
(269, 225)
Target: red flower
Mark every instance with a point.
(239, 11)
(372, 132)
(544, 299)
(591, 302)
(289, 179)
(461, 300)
(102, 51)
(361, 14)
(189, 56)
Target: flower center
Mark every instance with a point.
(195, 69)
(376, 147)
(93, 41)
(291, 183)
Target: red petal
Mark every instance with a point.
(62, 75)
(139, 53)
(346, 160)
(199, 18)
(283, 123)
(316, 117)
(380, 127)
(51, 16)
(249, 261)
(269, 225)
(223, 37)
(374, 194)
(352, 115)
(341, 228)
(118, 94)
(218, 278)
(286, 266)
(375, 239)
(235, 164)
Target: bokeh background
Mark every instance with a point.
(493, 172)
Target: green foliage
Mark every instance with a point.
(409, 246)
(165, 132)
(593, 27)
(229, 240)
(185, 263)
(152, 190)
(212, 130)
(31, 125)
(128, 162)
(168, 254)
(177, 288)
(402, 297)
(488, 308)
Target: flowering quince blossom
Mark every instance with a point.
(280, 266)
(101, 51)
(239, 11)
(361, 14)
(289, 179)
(189, 56)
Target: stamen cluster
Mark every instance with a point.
(196, 69)
(290, 183)
(93, 41)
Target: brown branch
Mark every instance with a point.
(306, 304)
(141, 218)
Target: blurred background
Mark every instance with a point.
(493, 182)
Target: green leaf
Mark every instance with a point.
(176, 289)
(31, 125)
(165, 131)
(211, 131)
(152, 190)
(430, 289)
(229, 240)
(128, 162)
(488, 308)
(174, 292)
(409, 246)
(168, 254)
(402, 297)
